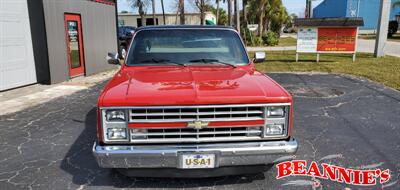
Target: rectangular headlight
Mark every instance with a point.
(116, 133)
(276, 111)
(274, 129)
(115, 115)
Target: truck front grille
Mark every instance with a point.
(191, 113)
(170, 115)
(197, 135)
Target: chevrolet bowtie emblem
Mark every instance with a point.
(197, 124)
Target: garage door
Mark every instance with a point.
(17, 66)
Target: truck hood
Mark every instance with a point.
(192, 85)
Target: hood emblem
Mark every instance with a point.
(197, 124)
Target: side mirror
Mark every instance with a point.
(259, 57)
(112, 58)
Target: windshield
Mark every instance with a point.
(186, 47)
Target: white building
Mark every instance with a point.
(130, 19)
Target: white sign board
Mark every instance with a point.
(252, 27)
(307, 40)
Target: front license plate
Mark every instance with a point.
(193, 161)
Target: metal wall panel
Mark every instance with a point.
(39, 41)
(17, 65)
(98, 31)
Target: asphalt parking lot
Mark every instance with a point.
(341, 120)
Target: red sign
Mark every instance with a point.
(368, 177)
(337, 39)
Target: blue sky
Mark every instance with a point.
(293, 6)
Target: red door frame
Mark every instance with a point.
(78, 71)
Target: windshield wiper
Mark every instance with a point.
(210, 61)
(162, 61)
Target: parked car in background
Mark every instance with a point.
(125, 34)
(188, 102)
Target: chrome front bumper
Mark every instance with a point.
(168, 156)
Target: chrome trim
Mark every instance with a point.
(190, 120)
(194, 140)
(166, 156)
(189, 135)
(104, 126)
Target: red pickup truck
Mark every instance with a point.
(188, 102)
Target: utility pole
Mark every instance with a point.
(383, 25)
(308, 9)
(237, 16)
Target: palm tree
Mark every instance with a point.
(245, 13)
(230, 12)
(237, 16)
(153, 5)
(141, 6)
(203, 6)
(217, 2)
(182, 11)
(163, 12)
(261, 14)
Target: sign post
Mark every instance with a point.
(327, 36)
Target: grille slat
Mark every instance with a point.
(201, 118)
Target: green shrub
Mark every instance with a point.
(270, 38)
(257, 41)
(252, 39)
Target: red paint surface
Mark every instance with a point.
(158, 125)
(337, 39)
(192, 85)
